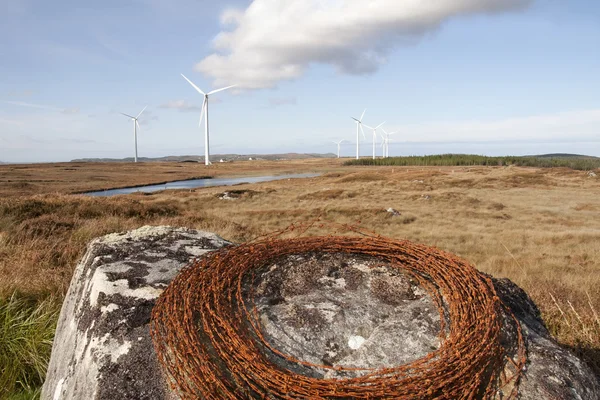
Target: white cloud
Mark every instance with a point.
(32, 105)
(276, 40)
(147, 118)
(11, 121)
(180, 105)
(41, 129)
(283, 101)
(14, 9)
(570, 126)
(73, 110)
(20, 93)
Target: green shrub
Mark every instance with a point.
(573, 162)
(26, 332)
(31, 394)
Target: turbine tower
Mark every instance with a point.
(135, 126)
(375, 136)
(338, 145)
(386, 142)
(359, 124)
(204, 112)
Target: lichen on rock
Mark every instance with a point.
(102, 348)
(344, 310)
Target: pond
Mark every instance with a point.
(196, 183)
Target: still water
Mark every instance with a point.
(196, 183)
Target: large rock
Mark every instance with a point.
(552, 372)
(329, 309)
(358, 312)
(344, 311)
(102, 348)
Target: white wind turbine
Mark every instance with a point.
(203, 112)
(375, 135)
(359, 124)
(135, 126)
(339, 145)
(386, 142)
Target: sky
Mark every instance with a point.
(492, 77)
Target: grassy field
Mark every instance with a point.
(536, 226)
(29, 179)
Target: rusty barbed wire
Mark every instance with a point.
(210, 345)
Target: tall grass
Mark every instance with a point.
(26, 333)
(30, 394)
(580, 331)
(578, 163)
(41, 238)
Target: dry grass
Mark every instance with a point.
(29, 179)
(540, 228)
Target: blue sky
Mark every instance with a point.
(475, 76)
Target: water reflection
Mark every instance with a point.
(196, 183)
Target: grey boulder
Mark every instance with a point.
(102, 347)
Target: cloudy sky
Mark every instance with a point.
(473, 76)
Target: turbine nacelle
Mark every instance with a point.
(204, 114)
(135, 126)
(374, 135)
(359, 125)
(377, 127)
(339, 144)
(386, 142)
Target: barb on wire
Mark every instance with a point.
(209, 340)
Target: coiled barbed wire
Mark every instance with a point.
(210, 344)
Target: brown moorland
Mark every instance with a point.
(78, 177)
(538, 227)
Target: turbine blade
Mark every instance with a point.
(192, 83)
(202, 112)
(220, 90)
(355, 119)
(141, 112)
(127, 115)
(369, 127)
(379, 126)
(384, 131)
(363, 114)
(138, 124)
(363, 131)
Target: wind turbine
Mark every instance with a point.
(203, 112)
(338, 145)
(135, 126)
(375, 135)
(386, 142)
(359, 124)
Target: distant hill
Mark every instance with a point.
(564, 155)
(214, 157)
